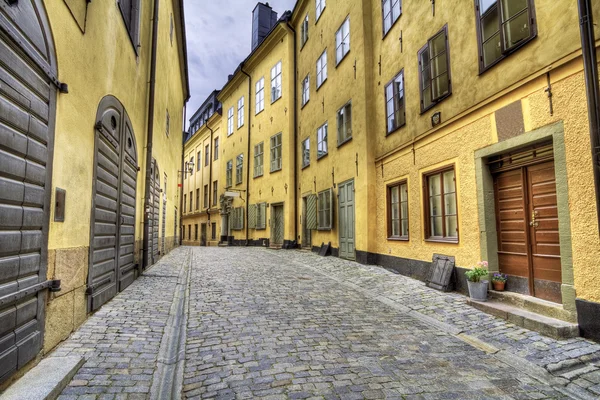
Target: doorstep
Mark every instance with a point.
(549, 326)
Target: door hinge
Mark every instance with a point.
(52, 285)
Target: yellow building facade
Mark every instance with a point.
(87, 66)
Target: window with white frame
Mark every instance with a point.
(260, 95)
(394, 100)
(276, 82)
(229, 176)
(324, 216)
(240, 112)
(306, 89)
(344, 123)
(276, 152)
(239, 169)
(322, 69)
(306, 152)
(320, 6)
(258, 159)
(322, 141)
(304, 31)
(391, 10)
(342, 41)
(230, 121)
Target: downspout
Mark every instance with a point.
(182, 178)
(590, 68)
(149, 138)
(296, 169)
(248, 153)
(210, 177)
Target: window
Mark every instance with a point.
(276, 82)
(230, 121)
(191, 164)
(324, 215)
(306, 152)
(434, 70)
(130, 10)
(397, 199)
(189, 232)
(206, 155)
(305, 90)
(239, 169)
(240, 115)
(342, 41)
(322, 141)
(215, 193)
(260, 95)
(503, 27)
(213, 231)
(199, 164)
(216, 157)
(171, 30)
(320, 7)
(441, 210)
(184, 201)
(276, 152)
(168, 124)
(304, 31)
(195, 231)
(394, 103)
(237, 222)
(197, 199)
(391, 12)
(344, 122)
(322, 69)
(258, 159)
(206, 196)
(229, 171)
(191, 201)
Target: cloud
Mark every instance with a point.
(218, 39)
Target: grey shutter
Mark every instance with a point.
(311, 212)
(330, 194)
(252, 216)
(261, 222)
(241, 218)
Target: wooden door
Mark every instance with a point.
(306, 218)
(346, 223)
(202, 234)
(278, 225)
(527, 223)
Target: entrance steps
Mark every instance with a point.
(531, 313)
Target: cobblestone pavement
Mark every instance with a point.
(121, 341)
(289, 324)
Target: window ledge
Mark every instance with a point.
(432, 105)
(340, 144)
(385, 33)
(275, 101)
(322, 83)
(276, 170)
(323, 156)
(442, 240)
(337, 63)
(324, 229)
(257, 176)
(398, 239)
(305, 166)
(260, 111)
(302, 106)
(394, 130)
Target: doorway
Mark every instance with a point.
(346, 223)
(277, 227)
(202, 234)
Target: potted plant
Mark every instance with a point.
(498, 281)
(477, 286)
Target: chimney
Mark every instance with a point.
(263, 19)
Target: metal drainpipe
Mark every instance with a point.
(149, 139)
(182, 178)
(590, 67)
(248, 153)
(210, 179)
(296, 169)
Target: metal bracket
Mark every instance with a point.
(52, 285)
(92, 288)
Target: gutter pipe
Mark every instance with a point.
(295, 158)
(248, 153)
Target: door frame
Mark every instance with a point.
(487, 209)
(339, 185)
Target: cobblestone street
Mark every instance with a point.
(290, 324)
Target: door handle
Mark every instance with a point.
(533, 222)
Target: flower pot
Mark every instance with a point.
(499, 286)
(478, 290)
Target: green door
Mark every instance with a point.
(346, 225)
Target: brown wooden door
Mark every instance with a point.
(527, 221)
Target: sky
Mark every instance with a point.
(218, 39)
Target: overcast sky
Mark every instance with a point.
(218, 39)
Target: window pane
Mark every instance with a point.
(510, 8)
(490, 24)
(404, 227)
(485, 4)
(437, 45)
(434, 185)
(451, 227)
(404, 210)
(396, 228)
(404, 192)
(435, 206)
(449, 185)
(440, 86)
(436, 226)
(450, 203)
(492, 50)
(395, 196)
(516, 30)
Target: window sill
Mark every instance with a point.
(395, 130)
(398, 239)
(275, 101)
(241, 126)
(337, 63)
(257, 176)
(324, 229)
(442, 240)
(322, 83)
(305, 166)
(340, 144)
(275, 170)
(444, 97)
(323, 156)
(302, 106)
(391, 27)
(260, 111)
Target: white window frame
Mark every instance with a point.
(304, 31)
(259, 158)
(239, 169)
(260, 95)
(343, 133)
(240, 112)
(322, 137)
(229, 174)
(306, 90)
(276, 152)
(230, 121)
(395, 104)
(319, 7)
(306, 152)
(276, 91)
(322, 69)
(392, 13)
(342, 41)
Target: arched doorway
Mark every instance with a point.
(28, 87)
(112, 265)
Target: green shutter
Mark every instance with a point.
(261, 220)
(252, 216)
(311, 212)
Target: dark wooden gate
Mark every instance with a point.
(112, 266)
(28, 88)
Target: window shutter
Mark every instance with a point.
(330, 194)
(311, 212)
(261, 222)
(252, 216)
(241, 217)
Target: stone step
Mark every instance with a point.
(535, 305)
(548, 326)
